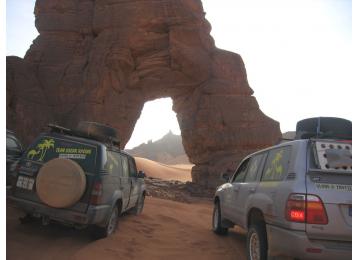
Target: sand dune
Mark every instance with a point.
(180, 172)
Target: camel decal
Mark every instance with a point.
(32, 153)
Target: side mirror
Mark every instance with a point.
(141, 174)
(225, 176)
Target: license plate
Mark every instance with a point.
(350, 211)
(25, 182)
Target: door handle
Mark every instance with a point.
(252, 190)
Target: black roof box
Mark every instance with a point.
(90, 130)
(97, 131)
(324, 128)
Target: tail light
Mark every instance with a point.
(296, 208)
(315, 211)
(96, 193)
(305, 209)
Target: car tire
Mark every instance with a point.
(139, 205)
(256, 242)
(217, 226)
(110, 227)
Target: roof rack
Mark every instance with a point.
(108, 140)
(59, 129)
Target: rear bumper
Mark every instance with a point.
(93, 215)
(283, 242)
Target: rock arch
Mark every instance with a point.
(102, 60)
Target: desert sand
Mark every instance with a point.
(179, 172)
(165, 230)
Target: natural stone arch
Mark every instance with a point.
(102, 60)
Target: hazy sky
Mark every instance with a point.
(297, 55)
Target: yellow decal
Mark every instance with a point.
(276, 169)
(269, 184)
(64, 150)
(41, 150)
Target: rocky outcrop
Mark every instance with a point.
(101, 60)
(176, 190)
(168, 150)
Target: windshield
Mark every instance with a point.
(46, 148)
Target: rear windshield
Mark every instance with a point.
(333, 155)
(47, 148)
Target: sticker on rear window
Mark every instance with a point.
(337, 187)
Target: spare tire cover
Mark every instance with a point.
(60, 183)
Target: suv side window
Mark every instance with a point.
(125, 166)
(255, 163)
(132, 167)
(113, 164)
(277, 163)
(240, 173)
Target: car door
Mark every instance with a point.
(331, 182)
(135, 183)
(125, 180)
(232, 192)
(246, 189)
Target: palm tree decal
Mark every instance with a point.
(44, 146)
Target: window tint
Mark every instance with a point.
(240, 173)
(254, 165)
(113, 163)
(11, 143)
(277, 163)
(125, 166)
(132, 167)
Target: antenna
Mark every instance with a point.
(318, 127)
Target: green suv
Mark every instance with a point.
(78, 177)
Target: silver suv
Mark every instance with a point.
(293, 199)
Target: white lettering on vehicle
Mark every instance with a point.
(338, 187)
(72, 156)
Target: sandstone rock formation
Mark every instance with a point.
(101, 60)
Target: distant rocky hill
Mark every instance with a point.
(168, 150)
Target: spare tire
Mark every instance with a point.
(96, 131)
(60, 183)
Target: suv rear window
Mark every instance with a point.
(47, 148)
(277, 163)
(332, 155)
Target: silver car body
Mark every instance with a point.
(254, 191)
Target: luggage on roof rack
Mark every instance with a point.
(91, 130)
(324, 128)
(97, 131)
